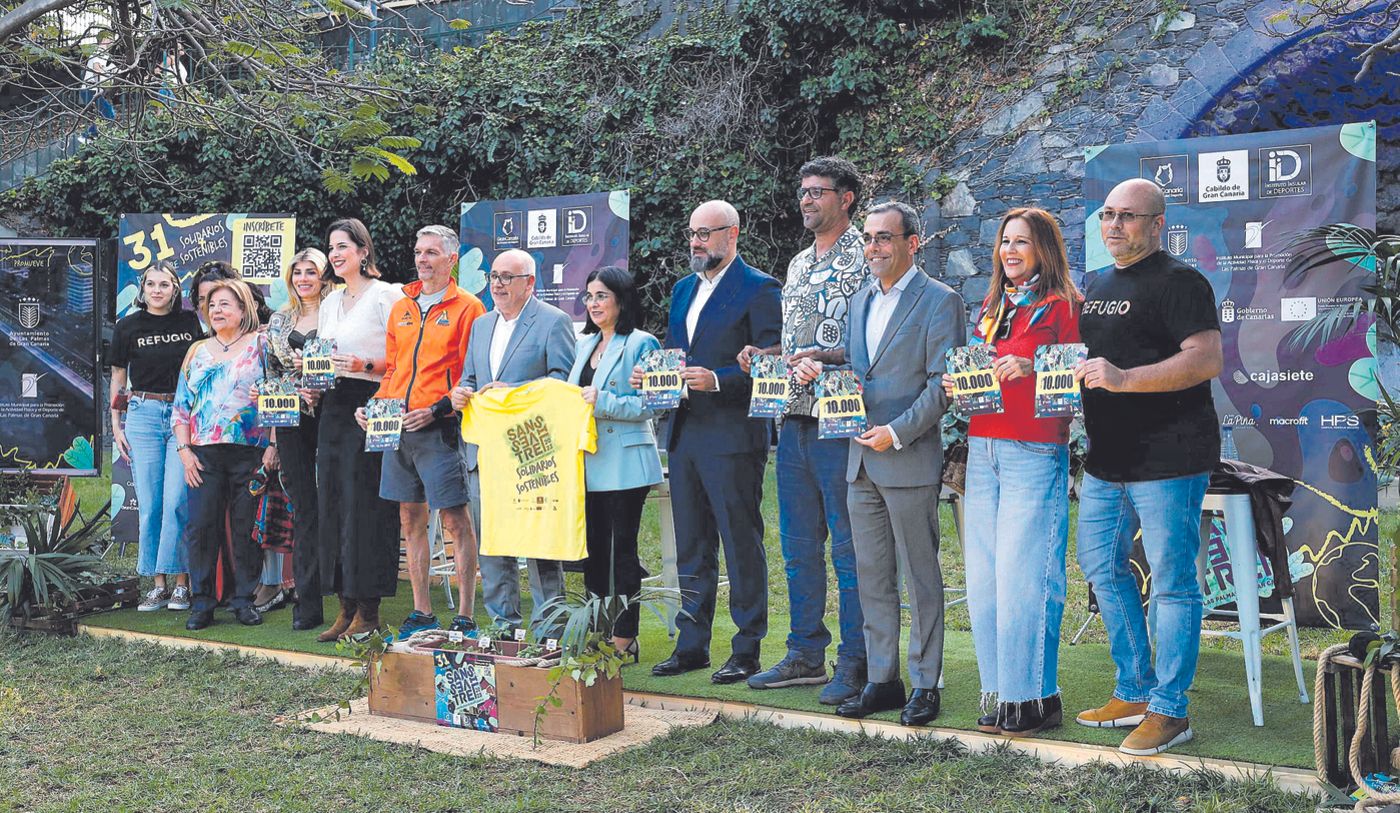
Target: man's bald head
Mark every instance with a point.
(1132, 220)
(719, 222)
(514, 261)
(1137, 195)
(512, 281)
(716, 210)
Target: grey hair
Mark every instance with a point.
(450, 242)
(909, 218)
(530, 265)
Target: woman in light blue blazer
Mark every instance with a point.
(626, 465)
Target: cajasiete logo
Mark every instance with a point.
(29, 313)
(1178, 238)
(1286, 171)
(1171, 173)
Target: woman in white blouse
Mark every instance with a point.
(359, 531)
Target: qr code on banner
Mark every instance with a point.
(262, 254)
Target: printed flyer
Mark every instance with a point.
(840, 408)
(661, 378)
(1056, 392)
(976, 388)
(385, 424)
(278, 402)
(464, 688)
(317, 370)
(770, 387)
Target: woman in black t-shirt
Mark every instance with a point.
(147, 349)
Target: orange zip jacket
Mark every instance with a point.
(426, 351)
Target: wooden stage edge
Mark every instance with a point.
(1065, 753)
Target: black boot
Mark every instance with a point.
(990, 723)
(1030, 717)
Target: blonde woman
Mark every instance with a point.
(308, 282)
(221, 446)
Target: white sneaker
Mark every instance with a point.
(180, 599)
(156, 599)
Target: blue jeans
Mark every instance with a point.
(161, 494)
(811, 506)
(1015, 559)
(1169, 514)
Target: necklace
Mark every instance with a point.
(230, 345)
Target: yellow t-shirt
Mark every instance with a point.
(531, 440)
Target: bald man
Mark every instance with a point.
(520, 339)
(717, 452)
(1154, 345)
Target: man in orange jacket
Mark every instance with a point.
(427, 342)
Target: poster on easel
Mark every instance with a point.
(1272, 220)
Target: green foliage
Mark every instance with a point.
(59, 559)
(729, 107)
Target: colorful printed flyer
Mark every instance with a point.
(278, 402)
(1057, 394)
(976, 388)
(317, 370)
(661, 378)
(385, 424)
(840, 408)
(770, 387)
(464, 689)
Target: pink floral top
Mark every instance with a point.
(212, 399)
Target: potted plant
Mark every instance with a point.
(55, 576)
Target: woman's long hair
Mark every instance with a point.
(1051, 258)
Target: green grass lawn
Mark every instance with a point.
(1220, 709)
(98, 724)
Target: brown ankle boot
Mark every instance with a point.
(342, 622)
(366, 618)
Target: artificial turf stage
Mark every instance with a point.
(1220, 713)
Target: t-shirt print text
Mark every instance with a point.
(534, 449)
(1107, 307)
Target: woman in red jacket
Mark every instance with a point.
(1017, 504)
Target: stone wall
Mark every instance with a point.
(1212, 69)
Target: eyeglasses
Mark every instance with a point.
(589, 299)
(504, 279)
(703, 235)
(883, 238)
(1126, 218)
(814, 192)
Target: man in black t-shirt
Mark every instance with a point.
(1154, 345)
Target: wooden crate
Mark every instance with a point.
(401, 686)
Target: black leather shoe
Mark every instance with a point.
(303, 624)
(679, 664)
(199, 619)
(921, 709)
(248, 616)
(874, 697)
(990, 723)
(737, 668)
(1030, 717)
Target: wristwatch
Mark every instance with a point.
(180, 447)
(369, 366)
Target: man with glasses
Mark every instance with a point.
(520, 340)
(717, 452)
(1150, 325)
(425, 346)
(897, 334)
(812, 472)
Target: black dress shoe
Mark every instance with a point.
(990, 723)
(248, 616)
(737, 668)
(874, 697)
(921, 709)
(199, 619)
(303, 624)
(679, 664)
(1030, 717)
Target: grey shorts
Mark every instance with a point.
(429, 466)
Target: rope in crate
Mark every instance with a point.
(1363, 716)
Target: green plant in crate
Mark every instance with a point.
(58, 558)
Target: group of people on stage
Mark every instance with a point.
(855, 299)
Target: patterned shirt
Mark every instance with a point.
(212, 397)
(815, 298)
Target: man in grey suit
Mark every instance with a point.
(898, 330)
(520, 340)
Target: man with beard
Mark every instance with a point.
(812, 472)
(718, 453)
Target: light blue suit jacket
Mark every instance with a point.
(626, 456)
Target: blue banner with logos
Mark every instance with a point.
(1273, 220)
(48, 356)
(569, 236)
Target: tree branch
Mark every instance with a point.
(13, 22)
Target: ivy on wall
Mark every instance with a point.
(728, 108)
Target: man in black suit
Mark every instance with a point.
(718, 453)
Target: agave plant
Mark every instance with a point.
(57, 561)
